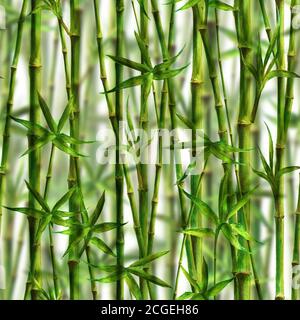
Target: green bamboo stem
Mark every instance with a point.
(112, 117)
(266, 19)
(65, 58)
(296, 249)
(53, 68)
(158, 169)
(288, 109)
(74, 171)
(231, 139)
(50, 227)
(279, 197)
(119, 171)
(185, 236)
(196, 110)
(142, 168)
(172, 109)
(9, 105)
(244, 134)
(34, 157)
(16, 260)
(220, 112)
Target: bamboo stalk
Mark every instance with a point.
(172, 109)
(34, 157)
(74, 173)
(280, 144)
(196, 110)
(119, 171)
(112, 117)
(9, 105)
(296, 250)
(244, 134)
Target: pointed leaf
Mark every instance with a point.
(133, 286)
(130, 64)
(216, 289)
(199, 232)
(189, 278)
(144, 261)
(113, 277)
(241, 203)
(204, 208)
(104, 227)
(38, 197)
(102, 246)
(132, 82)
(98, 210)
(31, 212)
(47, 114)
(149, 277)
(64, 199)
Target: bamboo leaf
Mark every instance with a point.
(41, 142)
(104, 267)
(104, 227)
(141, 3)
(185, 296)
(266, 166)
(31, 212)
(220, 5)
(167, 74)
(43, 223)
(205, 275)
(98, 210)
(185, 120)
(198, 296)
(133, 286)
(132, 82)
(228, 233)
(203, 207)
(269, 179)
(199, 232)
(271, 46)
(64, 199)
(66, 149)
(191, 281)
(113, 277)
(286, 170)
(189, 4)
(240, 204)
(65, 115)
(39, 130)
(216, 289)
(144, 261)
(271, 149)
(239, 229)
(130, 64)
(47, 114)
(38, 197)
(71, 140)
(166, 64)
(102, 246)
(144, 51)
(149, 277)
(280, 74)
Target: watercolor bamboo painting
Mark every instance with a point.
(150, 150)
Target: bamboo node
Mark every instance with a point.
(278, 217)
(244, 123)
(280, 146)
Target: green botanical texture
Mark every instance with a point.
(201, 97)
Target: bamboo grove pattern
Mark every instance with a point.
(73, 227)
